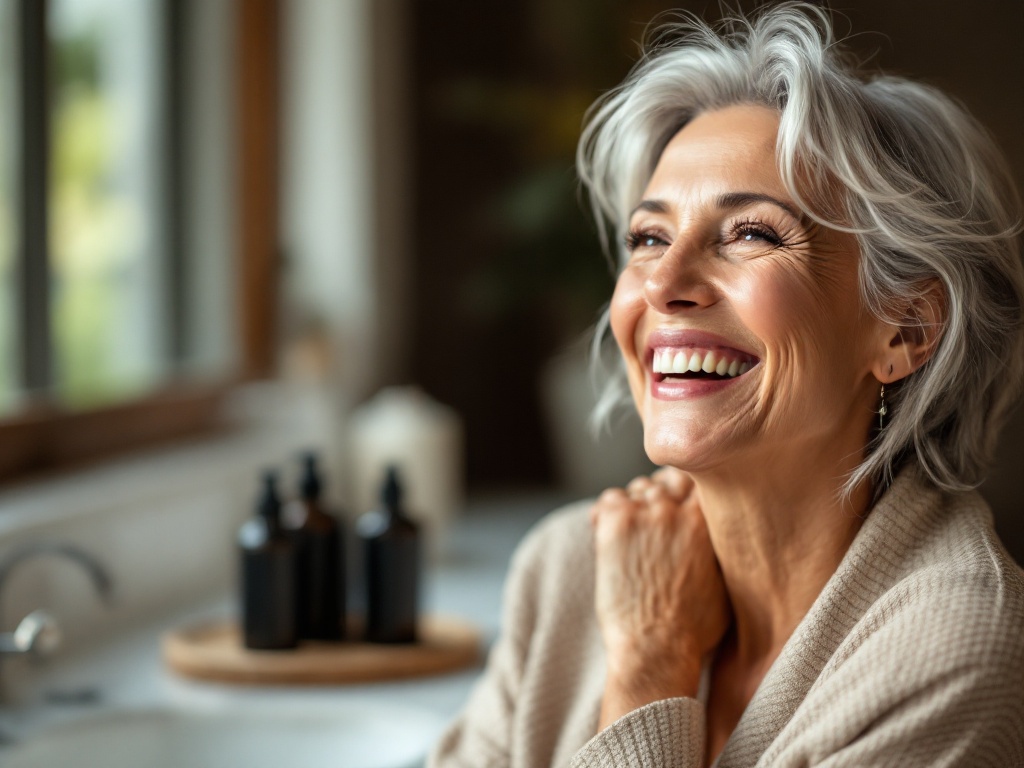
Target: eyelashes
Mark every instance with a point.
(751, 231)
(637, 238)
(744, 232)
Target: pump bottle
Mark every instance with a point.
(267, 575)
(318, 539)
(391, 560)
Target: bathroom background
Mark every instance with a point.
(232, 230)
(207, 203)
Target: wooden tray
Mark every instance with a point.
(214, 651)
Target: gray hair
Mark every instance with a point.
(922, 186)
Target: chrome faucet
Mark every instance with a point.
(38, 633)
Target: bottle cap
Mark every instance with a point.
(391, 492)
(269, 504)
(311, 484)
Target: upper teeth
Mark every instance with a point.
(721, 362)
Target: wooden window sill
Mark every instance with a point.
(46, 439)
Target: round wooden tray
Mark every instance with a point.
(214, 651)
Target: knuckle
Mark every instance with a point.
(637, 486)
(611, 497)
(663, 474)
(663, 511)
(655, 492)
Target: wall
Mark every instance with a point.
(344, 174)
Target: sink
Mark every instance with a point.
(331, 736)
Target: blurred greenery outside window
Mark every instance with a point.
(137, 297)
(107, 308)
(107, 303)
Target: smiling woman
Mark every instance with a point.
(820, 314)
(716, 270)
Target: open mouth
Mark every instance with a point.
(683, 363)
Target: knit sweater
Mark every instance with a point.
(912, 655)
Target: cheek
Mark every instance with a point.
(812, 344)
(626, 312)
(627, 306)
(786, 310)
(775, 308)
(768, 308)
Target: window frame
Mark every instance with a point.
(43, 437)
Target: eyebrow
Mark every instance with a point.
(727, 200)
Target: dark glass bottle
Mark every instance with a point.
(391, 561)
(320, 563)
(268, 575)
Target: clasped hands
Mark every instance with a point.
(660, 598)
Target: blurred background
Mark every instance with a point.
(350, 195)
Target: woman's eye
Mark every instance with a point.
(635, 240)
(756, 234)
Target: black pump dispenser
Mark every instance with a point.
(391, 559)
(320, 564)
(310, 485)
(268, 575)
(391, 493)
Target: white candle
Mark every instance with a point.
(424, 439)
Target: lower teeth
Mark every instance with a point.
(697, 375)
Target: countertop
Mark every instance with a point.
(465, 580)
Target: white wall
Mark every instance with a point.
(345, 167)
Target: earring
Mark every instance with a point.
(883, 409)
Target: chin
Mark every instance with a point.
(675, 445)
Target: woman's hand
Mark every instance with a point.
(661, 601)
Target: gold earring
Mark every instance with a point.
(883, 409)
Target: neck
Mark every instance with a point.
(779, 535)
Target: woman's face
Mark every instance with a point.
(739, 320)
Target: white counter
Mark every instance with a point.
(128, 673)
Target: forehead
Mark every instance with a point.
(720, 149)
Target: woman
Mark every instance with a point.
(820, 311)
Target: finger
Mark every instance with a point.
(638, 486)
(677, 482)
(611, 500)
(612, 516)
(662, 507)
(611, 497)
(658, 494)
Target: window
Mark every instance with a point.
(8, 383)
(126, 259)
(107, 215)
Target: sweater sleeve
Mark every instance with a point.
(661, 734)
(531, 707)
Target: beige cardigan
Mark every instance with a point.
(912, 655)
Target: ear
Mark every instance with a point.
(907, 345)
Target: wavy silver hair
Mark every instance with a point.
(921, 185)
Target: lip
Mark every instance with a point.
(677, 389)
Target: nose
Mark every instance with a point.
(679, 280)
